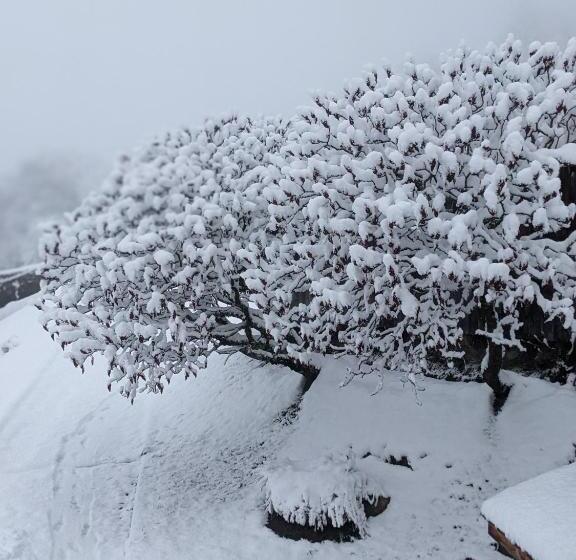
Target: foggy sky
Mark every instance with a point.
(97, 77)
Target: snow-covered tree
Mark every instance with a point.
(415, 199)
(373, 224)
(149, 271)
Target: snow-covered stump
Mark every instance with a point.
(535, 520)
(326, 499)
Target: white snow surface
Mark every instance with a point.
(84, 475)
(13, 306)
(459, 452)
(539, 515)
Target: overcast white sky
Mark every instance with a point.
(97, 77)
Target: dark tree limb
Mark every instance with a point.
(491, 375)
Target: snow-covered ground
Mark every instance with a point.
(84, 475)
(459, 454)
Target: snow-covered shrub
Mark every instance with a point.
(330, 491)
(149, 271)
(372, 224)
(414, 199)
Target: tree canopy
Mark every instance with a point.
(370, 224)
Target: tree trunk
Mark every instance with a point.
(307, 371)
(491, 375)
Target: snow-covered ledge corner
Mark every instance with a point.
(324, 499)
(537, 518)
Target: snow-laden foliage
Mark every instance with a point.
(330, 490)
(414, 199)
(149, 271)
(372, 224)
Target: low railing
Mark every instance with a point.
(18, 283)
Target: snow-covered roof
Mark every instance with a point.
(539, 515)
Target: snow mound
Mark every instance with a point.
(539, 515)
(328, 491)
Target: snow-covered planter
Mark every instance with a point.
(326, 499)
(537, 518)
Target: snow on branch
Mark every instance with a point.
(413, 199)
(148, 271)
(371, 224)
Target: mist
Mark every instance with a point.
(99, 77)
(84, 81)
